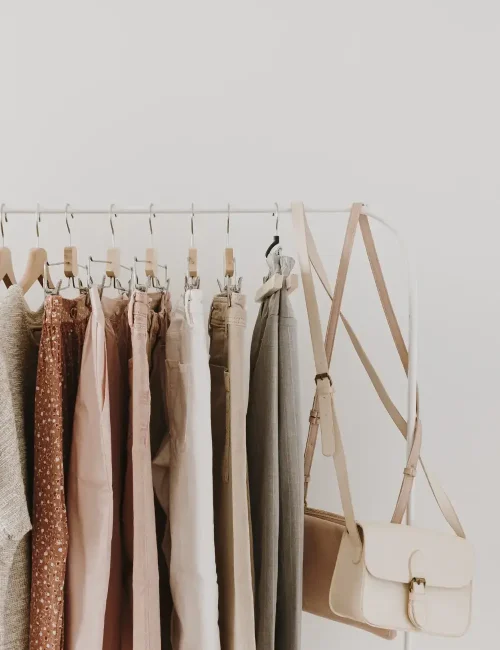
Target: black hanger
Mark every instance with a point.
(276, 238)
(276, 241)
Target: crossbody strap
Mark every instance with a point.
(309, 249)
(330, 431)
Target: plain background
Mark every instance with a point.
(392, 103)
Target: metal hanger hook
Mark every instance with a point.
(66, 215)
(227, 225)
(111, 214)
(277, 213)
(192, 225)
(38, 219)
(3, 219)
(152, 216)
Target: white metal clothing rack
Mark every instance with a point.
(276, 210)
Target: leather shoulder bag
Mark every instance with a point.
(382, 576)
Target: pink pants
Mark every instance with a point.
(94, 569)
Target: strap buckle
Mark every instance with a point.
(314, 416)
(420, 582)
(323, 375)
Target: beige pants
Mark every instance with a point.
(231, 507)
(145, 580)
(183, 473)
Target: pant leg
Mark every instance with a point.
(193, 576)
(262, 451)
(291, 481)
(117, 357)
(90, 495)
(221, 464)
(243, 609)
(145, 581)
(159, 435)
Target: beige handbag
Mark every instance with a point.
(385, 576)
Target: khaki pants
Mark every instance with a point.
(145, 581)
(231, 507)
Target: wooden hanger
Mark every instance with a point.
(35, 267)
(151, 255)
(113, 254)
(70, 266)
(70, 252)
(112, 262)
(6, 268)
(229, 261)
(231, 282)
(192, 279)
(275, 283)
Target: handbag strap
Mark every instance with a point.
(308, 254)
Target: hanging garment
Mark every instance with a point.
(159, 433)
(188, 455)
(118, 346)
(59, 361)
(275, 471)
(145, 325)
(19, 342)
(93, 603)
(231, 506)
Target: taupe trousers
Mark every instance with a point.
(231, 507)
(275, 471)
(145, 579)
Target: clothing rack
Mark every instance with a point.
(276, 211)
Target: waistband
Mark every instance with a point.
(228, 311)
(190, 307)
(218, 312)
(148, 310)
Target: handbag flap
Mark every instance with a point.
(401, 553)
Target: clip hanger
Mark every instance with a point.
(113, 254)
(70, 252)
(112, 262)
(192, 278)
(70, 265)
(151, 255)
(231, 283)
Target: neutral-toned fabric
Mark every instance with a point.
(159, 433)
(61, 345)
(187, 461)
(20, 330)
(93, 601)
(231, 506)
(145, 580)
(117, 355)
(275, 470)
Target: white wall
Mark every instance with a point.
(392, 103)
